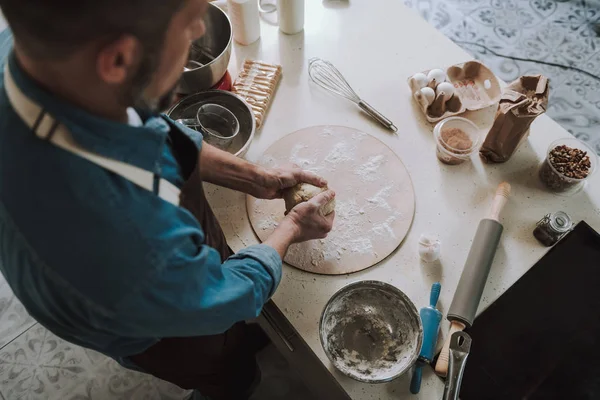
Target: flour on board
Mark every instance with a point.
(327, 131)
(359, 136)
(349, 234)
(299, 160)
(385, 228)
(360, 245)
(379, 199)
(341, 152)
(367, 212)
(369, 171)
(268, 223)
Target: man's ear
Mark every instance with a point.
(117, 59)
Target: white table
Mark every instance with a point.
(377, 44)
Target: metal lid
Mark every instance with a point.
(561, 222)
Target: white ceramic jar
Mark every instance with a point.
(245, 20)
(291, 16)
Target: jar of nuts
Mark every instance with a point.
(569, 163)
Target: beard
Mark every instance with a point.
(155, 106)
(136, 94)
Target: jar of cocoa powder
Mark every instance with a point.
(456, 139)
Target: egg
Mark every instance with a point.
(426, 93)
(447, 88)
(435, 77)
(420, 80)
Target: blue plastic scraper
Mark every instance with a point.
(431, 319)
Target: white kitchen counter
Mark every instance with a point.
(377, 44)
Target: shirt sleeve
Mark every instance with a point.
(198, 295)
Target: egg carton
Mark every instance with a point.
(475, 87)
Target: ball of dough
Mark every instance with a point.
(304, 192)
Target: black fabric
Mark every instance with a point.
(222, 367)
(541, 339)
(184, 149)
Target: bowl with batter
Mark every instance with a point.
(371, 331)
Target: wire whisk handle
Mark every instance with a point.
(376, 115)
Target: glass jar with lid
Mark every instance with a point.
(552, 228)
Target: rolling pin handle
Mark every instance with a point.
(436, 288)
(441, 366)
(415, 382)
(499, 201)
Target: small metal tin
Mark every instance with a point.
(552, 228)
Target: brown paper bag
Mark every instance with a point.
(521, 102)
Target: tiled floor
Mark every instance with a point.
(37, 365)
(558, 31)
(14, 320)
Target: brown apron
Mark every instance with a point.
(220, 366)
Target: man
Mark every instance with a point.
(94, 237)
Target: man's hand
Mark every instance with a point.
(304, 222)
(225, 169)
(275, 180)
(309, 221)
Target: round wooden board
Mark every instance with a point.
(374, 194)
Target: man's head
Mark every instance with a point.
(133, 49)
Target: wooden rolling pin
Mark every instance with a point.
(475, 273)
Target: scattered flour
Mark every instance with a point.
(385, 228)
(327, 131)
(346, 236)
(301, 161)
(307, 253)
(361, 245)
(341, 152)
(359, 136)
(379, 200)
(268, 223)
(348, 209)
(369, 171)
(358, 225)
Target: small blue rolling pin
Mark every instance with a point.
(431, 319)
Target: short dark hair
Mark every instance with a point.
(51, 29)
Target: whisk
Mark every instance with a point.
(324, 74)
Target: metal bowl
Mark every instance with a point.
(209, 55)
(371, 331)
(188, 108)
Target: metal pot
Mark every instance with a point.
(188, 108)
(209, 55)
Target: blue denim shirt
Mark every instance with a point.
(100, 261)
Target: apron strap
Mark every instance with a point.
(46, 127)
